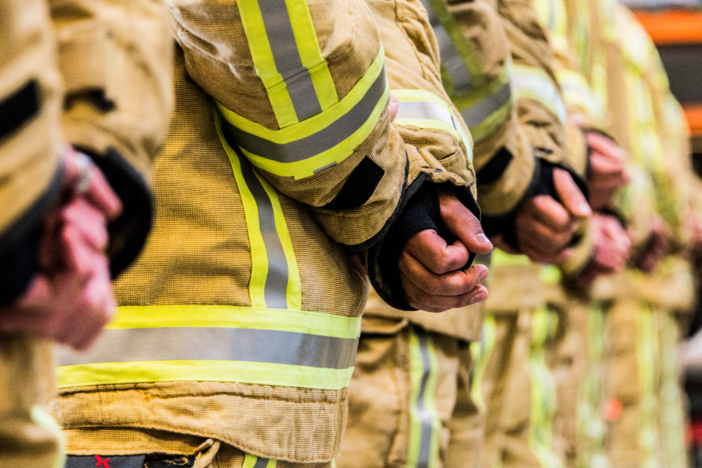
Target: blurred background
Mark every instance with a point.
(676, 28)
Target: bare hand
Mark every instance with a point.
(430, 269)
(611, 249)
(656, 247)
(607, 169)
(544, 227)
(71, 299)
(78, 169)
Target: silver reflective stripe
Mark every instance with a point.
(276, 287)
(476, 114)
(216, 344)
(276, 19)
(261, 463)
(543, 88)
(425, 416)
(324, 140)
(423, 110)
(451, 59)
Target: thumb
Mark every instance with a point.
(463, 224)
(570, 195)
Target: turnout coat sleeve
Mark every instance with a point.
(301, 90)
(29, 137)
(477, 72)
(115, 60)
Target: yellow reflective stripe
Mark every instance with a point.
(43, 419)
(425, 423)
(459, 41)
(294, 287)
(481, 351)
(310, 53)
(259, 373)
(423, 109)
(227, 316)
(420, 95)
(307, 134)
(262, 56)
(252, 461)
(671, 398)
(500, 257)
(486, 107)
(647, 360)
(577, 92)
(552, 16)
(645, 143)
(287, 58)
(259, 256)
(592, 428)
(550, 274)
(535, 84)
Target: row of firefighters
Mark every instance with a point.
(254, 218)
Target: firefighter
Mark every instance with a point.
(435, 418)
(281, 180)
(66, 141)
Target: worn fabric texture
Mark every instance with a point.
(396, 417)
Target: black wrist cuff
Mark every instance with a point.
(129, 232)
(19, 245)
(542, 183)
(421, 212)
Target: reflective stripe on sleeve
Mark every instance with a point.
(459, 62)
(287, 58)
(485, 109)
(422, 109)
(425, 423)
(484, 105)
(577, 92)
(535, 84)
(218, 343)
(316, 143)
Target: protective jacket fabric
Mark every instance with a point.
(485, 45)
(280, 156)
(406, 32)
(30, 137)
(40, 43)
(410, 400)
(511, 380)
